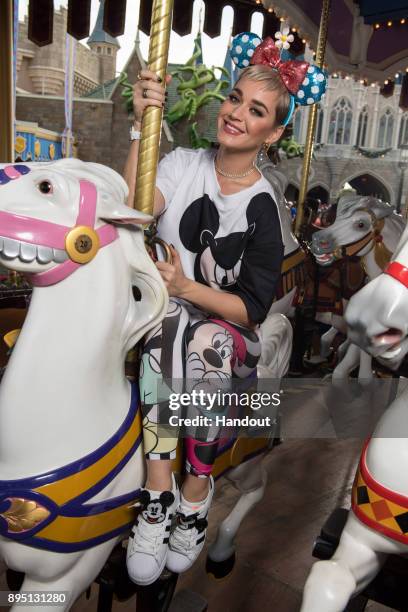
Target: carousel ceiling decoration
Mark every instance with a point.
(366, 38)
(378, 11)
(41, 18)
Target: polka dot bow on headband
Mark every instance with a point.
(305, 82)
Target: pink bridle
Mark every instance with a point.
(53, 235)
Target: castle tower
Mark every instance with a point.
(105, 46)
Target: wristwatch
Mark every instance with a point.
(134, 134)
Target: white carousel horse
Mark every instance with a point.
(64, 391)
(71, 457)
(377, 525)
(367, 228)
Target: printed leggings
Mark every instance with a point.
(179, 356)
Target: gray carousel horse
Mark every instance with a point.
(366, 228)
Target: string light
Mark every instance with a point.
(386, 82)
(294, 30)
(402, 21)
(270, 10)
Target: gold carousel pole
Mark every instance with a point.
(6, 81)
(160, 30)
(321, 48)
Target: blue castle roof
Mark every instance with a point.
(99, 35)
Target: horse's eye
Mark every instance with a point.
(45, 187)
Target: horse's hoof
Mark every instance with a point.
(220, 569)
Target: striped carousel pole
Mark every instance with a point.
(6, 82)
(160, 30)
(320, 51)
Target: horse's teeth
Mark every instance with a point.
(44, 254)
(59, 255)
(11, 248)
(28, 252)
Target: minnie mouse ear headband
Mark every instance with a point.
(306, 83)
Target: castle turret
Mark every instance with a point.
(105, 46)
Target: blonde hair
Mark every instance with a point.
(273, 82)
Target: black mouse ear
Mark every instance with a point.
(166, 498)
(144, 497)
(201, 214)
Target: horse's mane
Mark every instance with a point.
(350, 202)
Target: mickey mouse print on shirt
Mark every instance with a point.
(229, 242)
(218, 258)
(231, 261)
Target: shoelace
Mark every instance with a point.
(145, 539)
(183, 540)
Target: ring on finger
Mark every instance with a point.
(144, 93)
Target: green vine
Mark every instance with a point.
(373, 154)
(127, 91)
(192, 78)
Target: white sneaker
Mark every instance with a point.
(148, 541)
(188, 537)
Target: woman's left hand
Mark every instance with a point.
(173, 274)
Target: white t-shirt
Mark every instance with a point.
(229, 242)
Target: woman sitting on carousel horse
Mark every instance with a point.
(219, 215)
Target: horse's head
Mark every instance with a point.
(55, 217)
(358, 222)
(42, 203)
(377, 315)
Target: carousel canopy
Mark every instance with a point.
(366, 38)
(41, 16)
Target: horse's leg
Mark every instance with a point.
(365, 373)
(342, 350)
(73, 582)
(326, 341)
(250, 479)
(276, 346)
(356, 562)
(350, 360)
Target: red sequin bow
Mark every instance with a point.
(291, 72)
